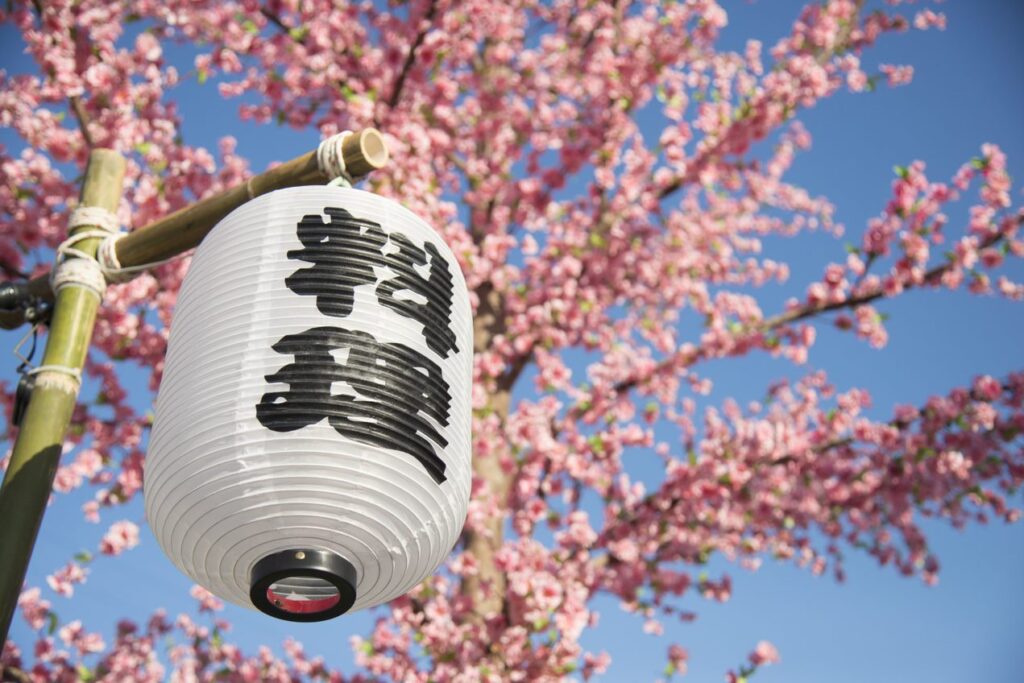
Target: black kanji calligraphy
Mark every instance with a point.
(389, 391)
(436, 290)
(344, 253)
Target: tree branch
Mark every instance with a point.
(83, 120)
(630, 516)
(76, 103)
(14, 674)
(396, 94)
(283, 27)
(797, 314)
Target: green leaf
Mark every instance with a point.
(923, 453)
(52, 618)
(348, 93)
(901, 171)
(83, 557)
(202, 75)
(299, 33)
(85, 674)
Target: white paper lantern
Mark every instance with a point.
(311, 447)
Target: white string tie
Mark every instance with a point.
(74, 267)
(93, 216)
(74, 373)
(111, 267)
(331, 161)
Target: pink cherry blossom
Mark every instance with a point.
(121, 536)
(63, 580)
(764, 653)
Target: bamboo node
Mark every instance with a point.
(59, 377)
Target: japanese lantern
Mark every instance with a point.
(310, 453)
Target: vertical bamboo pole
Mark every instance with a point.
(29, 478)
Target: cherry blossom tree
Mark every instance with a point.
(582, 234)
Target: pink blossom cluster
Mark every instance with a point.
(180, 650)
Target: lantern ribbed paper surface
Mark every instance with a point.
(316, 395)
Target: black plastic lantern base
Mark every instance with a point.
(303, 585)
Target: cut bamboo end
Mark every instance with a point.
(364, 152)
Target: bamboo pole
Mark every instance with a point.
(29, 478)
(184, 229)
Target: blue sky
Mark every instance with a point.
(876, 627)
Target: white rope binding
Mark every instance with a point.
(112, 268)
(93, 216)
(331, 161)
(74, 373)
(97, 272)
(74, 267)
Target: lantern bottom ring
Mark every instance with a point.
(303, 585)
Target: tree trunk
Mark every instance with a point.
(487, 587)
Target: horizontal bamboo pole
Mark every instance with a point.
(184, 229)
